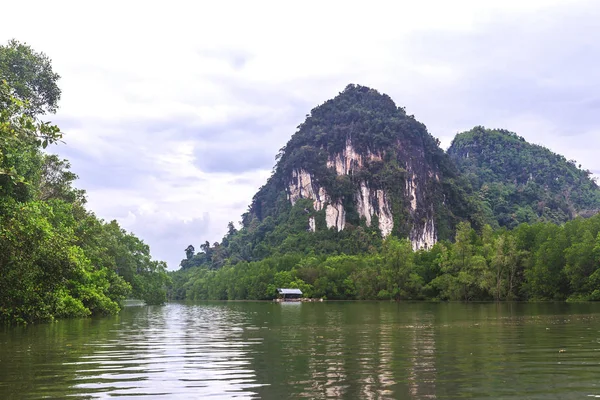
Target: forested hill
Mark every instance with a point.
(57, 259)
(348, 210)
(357, 170)
(523, 182)
(359, 156)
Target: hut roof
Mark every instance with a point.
(289, 291)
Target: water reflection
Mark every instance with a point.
(173, 352)
(422, 373)
(326, 350)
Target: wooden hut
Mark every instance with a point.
(289, 294)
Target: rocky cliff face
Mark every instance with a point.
(362, 160)
(303, 186)
(369, 201)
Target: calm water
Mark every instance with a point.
(321, 350)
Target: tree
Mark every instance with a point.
(20, 138)
(205, 247)
(56, 181)
(545, 278)
(30, 75)
(56, 259)
(581, 263)
(231, 229)
(189, 252)
(504, 265)
(399, 269)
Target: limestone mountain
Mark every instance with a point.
(358, 170)
(523, 182)
(358, 162)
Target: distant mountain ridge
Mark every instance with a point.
(522, 182)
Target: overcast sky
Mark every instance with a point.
(173, 111)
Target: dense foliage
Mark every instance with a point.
(56, 258)
(506, 183)
(522, 182)
(31, 77)
(542, 261)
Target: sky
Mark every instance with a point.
(173, 111)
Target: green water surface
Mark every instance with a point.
(350, 350)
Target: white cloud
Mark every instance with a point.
(155, 93)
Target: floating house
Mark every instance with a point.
(289, 294)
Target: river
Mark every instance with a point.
(351, 350)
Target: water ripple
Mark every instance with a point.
(315, 351)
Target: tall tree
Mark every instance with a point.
(399, 269)
(31, 76)
(189, 252)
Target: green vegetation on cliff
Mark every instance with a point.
(523, 182)
(401, 148)
(542, 261)
(56, 258)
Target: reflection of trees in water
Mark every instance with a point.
(45, 360)
(312, 349)
(341, 350)
(219, 363)
(120, 362)
(302, 354)
(309, 350)
(422, 372)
